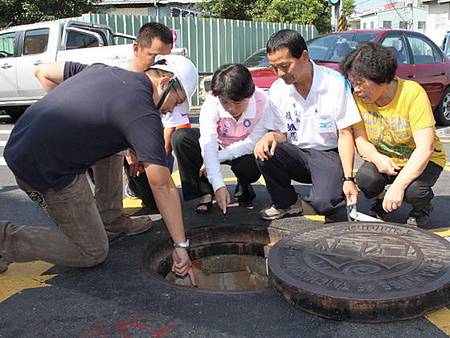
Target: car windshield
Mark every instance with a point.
(258, 59)
(334, 47)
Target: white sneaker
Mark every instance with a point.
(272, 213)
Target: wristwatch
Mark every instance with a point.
(348, 178)
(183, 245)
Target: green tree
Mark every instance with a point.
(17, 12)
(226, 9)
(349, 7)
(315, 12)
(304, 12)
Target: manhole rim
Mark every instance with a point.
(194, 232)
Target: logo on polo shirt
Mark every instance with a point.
(247, 123)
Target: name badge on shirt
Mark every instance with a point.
(325, 125)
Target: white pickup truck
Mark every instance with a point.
(24, 47)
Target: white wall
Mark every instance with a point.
(438, 22)
(369, 21)
(128, 11)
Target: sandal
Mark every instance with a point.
(203, 207)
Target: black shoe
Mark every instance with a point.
(376, 209)
(244, 193)
(339, 216)
(419, 218)
(129, 192)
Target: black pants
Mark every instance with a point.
(141, 188)
(321, 168)
(418, 193)
(185, 143)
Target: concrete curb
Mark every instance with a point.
(443, 131)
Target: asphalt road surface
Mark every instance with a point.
(120, 298)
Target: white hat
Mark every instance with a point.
(184, 71)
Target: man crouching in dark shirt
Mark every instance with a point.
(90, 114)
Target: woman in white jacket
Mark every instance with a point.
(229, 114)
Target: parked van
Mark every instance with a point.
(24, 47)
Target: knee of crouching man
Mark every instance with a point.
(96, 256)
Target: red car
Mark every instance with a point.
(418, 59)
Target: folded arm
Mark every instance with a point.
(50, 74)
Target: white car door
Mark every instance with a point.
(8, 76)
(38, 47)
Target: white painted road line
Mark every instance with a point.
(2, 161)
(5, 132)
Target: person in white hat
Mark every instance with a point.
(153, 39)
(91, 113)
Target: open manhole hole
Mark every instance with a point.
(228, 258)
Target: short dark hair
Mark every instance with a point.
(152, 30)
(233, 81)
(287, 38)
(371, 61)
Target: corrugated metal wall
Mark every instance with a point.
(210, 42)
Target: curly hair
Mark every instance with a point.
(371, 61)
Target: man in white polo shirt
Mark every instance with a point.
(310, 112)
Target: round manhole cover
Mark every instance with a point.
(363, 271)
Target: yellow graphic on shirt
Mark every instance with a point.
(390, 128)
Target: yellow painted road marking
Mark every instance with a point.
(132, 205)
(22, 276)
(445, 140)
(443, 232)
(261, 180)
(441, 319)
(319, 218)
(176, 178)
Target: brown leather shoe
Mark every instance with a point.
(3, 264)
(129, 226)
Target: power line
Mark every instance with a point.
(396, 11)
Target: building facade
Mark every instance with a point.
(438, 20)
(400, 15)
(155, 8)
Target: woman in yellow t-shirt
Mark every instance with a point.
(396, 138)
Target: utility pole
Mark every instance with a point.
(411, 27)
(155, 2)
(337, 16)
